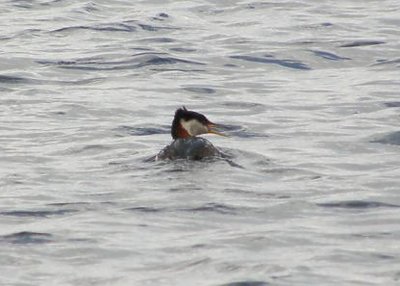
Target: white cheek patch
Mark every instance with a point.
(194, 127)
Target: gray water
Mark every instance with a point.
(308, 92)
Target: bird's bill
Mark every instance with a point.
(212, 129)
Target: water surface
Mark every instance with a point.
(308, 91)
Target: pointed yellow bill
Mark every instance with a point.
(211, 129)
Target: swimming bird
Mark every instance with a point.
(186, 145)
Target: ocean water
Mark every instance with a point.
(307, 90)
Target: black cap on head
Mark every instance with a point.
(183, 113)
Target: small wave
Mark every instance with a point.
(27, 237)
(246, 283)
(13, 79)
(69, 204)
(144, 209)
(392, 104)
(6, 79)
(390, 139)
(112, 27)
(161, 17)
(143, 131)
(387, 62)
(41, 214)
(362, 43)
(134, 62)
(329, 56)
(182, 50)
(159, 40)
(126, 26)
(270, 60)
(213, 207)
(153, 28)
(357, 205)
(203, 90)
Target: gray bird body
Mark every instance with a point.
(192, 148)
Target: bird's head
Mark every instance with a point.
(188, 123)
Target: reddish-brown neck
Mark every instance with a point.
(181, 132)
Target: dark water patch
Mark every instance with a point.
(143, 131)
(213, 207)
(27, 237)
(329, 56)
(160, 17)
(106, 27)
(390, 139)
(39, 214)
(357, 205)
(362, 43)
(163, 15)
(13, 79)
(59, 113)
(69, 204)
(372, 234)
(386, 62)
(26, 4)
(152, 28)
(144, 209)
(246, 283)
(169, 60)
(293, 64)
(178, 70)
(203, 90)
(141, 49)
(100, 60)
(182, 50)
(135, 62)
(159, 40)
(260, 5)
(392, 104)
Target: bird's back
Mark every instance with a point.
(193, 148)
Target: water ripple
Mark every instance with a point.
(392, 104)
(40, 214)
(390, 139)
(246, 283)
(204, 90)
(329, 56)
(143, 131)
(111, 27)
(213, 207)
(294, 64)
(357, 205)
(27, 237)
(126, 26)
(12, 79)
(240, 131)
(134, 62)
(144, 209)
(362, 43)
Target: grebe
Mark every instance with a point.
(185, 127)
